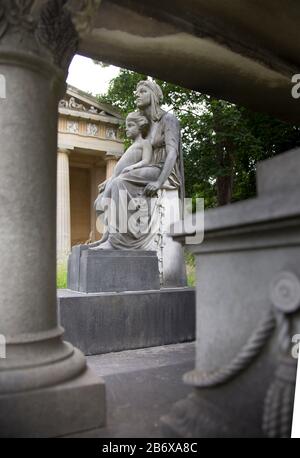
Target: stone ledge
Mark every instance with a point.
(110, 322)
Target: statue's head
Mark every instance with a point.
(149, 94)
(136, 123)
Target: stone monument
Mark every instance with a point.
(146, 193)
(137, 205)
(248, 313)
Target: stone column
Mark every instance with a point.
(63, 205)
(111, 162)
(45, 387)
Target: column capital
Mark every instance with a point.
(64, 151)
(110, 156)
(50, 29)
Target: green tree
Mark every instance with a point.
(222, 142)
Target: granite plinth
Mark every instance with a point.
(92, 271)
(109, 322)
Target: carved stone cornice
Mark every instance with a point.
(83, 13)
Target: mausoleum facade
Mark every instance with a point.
(89, 145)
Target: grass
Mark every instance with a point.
(190, 268)
(61, 275)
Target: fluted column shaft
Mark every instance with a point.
(111, 162)
(63, 205)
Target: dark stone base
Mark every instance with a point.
(91, 271)
(110, 322)
(66, 409)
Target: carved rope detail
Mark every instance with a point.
(248, 353)
(285, 297)
(279, 399)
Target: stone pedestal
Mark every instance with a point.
(248, 301)
(44, 383)
(109, 322)
(93, 271)
(170, 252)
(115, 303)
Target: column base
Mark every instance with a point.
(65, 409)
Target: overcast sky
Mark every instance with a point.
(89, 77)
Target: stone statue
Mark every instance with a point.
(76, 106)
(138, 155)
(153, 163)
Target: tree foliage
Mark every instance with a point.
(222, 142)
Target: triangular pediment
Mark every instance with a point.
(80, 101)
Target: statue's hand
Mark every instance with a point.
(128, 169)
(152, 188)
(101, 187)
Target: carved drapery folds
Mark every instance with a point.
(52, 27)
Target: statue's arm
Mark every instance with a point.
(172, 137)
(146, 157)
(168, 167)
(101, 186)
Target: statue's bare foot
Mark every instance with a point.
(94, 244)
(99, 242)
(103, 246)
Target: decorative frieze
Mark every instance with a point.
(111, 133)
(73, 127)
(92, 129)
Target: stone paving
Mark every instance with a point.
(141, 386)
